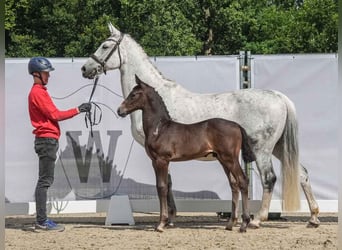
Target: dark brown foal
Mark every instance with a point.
(166, 140)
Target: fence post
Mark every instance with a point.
(245, 83)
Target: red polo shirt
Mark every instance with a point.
(43, 113)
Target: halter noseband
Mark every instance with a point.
(116, 46)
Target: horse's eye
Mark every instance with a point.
(135, 95)
(105, 46)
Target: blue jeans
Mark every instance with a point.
(46, 149)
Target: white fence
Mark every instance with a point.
(308, 80)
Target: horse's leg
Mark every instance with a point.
(239, 182)
(314, 209)
(235, 201)
(161, 171)
(305, 183)
(172, 210)
(268, 179)
(234, 186)
(243, 185)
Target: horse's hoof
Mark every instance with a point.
(254, 225)
(313, 224)
(229, 227)
(159, 229)
(170, 224)
(243, 230)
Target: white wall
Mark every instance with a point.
(309, 80)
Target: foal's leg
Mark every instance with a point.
(161, 171)
(228, 165)
(235, 201)
(268, 179)
(305, 183)
(172, 210)
(243, 185)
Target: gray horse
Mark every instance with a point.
(269, 118)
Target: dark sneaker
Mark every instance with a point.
(49, 225)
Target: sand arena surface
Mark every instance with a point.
(191, 231)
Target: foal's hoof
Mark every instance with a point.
(231, 223)
(159, 229)
(229, 227)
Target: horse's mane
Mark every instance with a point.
(159, 101)
(146, 56)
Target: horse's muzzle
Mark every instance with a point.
(90, 74)
(121, 113)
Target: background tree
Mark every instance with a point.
(315, 27)
(162, 27)
(75, 28)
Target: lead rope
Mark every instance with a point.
(89, 116)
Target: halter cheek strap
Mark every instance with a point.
(116, 47)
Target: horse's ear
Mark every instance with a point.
(137, 80)
(140, 82)
(112, 29)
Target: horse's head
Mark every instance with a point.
(135, 100)
(107, 57)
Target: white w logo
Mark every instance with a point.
(83, 162)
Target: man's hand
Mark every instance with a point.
(84, 107)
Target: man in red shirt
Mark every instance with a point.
(44, 117)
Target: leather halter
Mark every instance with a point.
(116, 47)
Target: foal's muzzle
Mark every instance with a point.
(121, 113)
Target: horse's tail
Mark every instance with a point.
(246, 149)
(288, 156)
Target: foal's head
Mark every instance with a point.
(143, 97)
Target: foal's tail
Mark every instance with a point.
(287, 149)
(246, 149)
